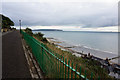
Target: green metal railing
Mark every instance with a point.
(53, 64)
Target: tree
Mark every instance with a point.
(6, 22)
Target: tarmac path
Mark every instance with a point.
(14, 63)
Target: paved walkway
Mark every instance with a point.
(0, 55)
(14, 64)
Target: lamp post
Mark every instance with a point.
(20, 25)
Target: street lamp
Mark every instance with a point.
(20, 24)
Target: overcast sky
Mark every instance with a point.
(66, 15)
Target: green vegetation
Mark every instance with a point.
(29, 31)
(13, 28)
(38, 35)
(6, 22)
(87, 65)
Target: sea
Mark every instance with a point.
(99, 44)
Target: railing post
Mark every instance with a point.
(71, 71)
(68, 67)
(42, 57)
(80, 72)
(44, 64)
(99, 78)
(58, 65)
(85, 74)
(76, 71)
(65, 67)
(91, 75)
(60, 69)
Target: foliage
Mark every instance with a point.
(44, 40)
(29, 31)
(39, 34)
(40, 37)
(6, 22)
(85, 64)
(13, 28)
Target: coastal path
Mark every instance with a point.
(14, 63)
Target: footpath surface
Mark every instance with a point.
(14, 64)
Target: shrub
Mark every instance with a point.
(44, 40)
(40, 37)
(29, 31)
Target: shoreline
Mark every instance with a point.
(112, 67)
(79, 51)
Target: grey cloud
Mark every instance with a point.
(48, 14)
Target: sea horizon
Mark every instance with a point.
(75, 30)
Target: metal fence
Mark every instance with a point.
(53, 64)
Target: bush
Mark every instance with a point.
(39, 34)
(13, 28)
(29, 31)
(44, 40)
(40, 37)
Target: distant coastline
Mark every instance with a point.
(47, 30)
(75, 31)
(94, 31)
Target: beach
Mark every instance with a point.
(77, 50)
